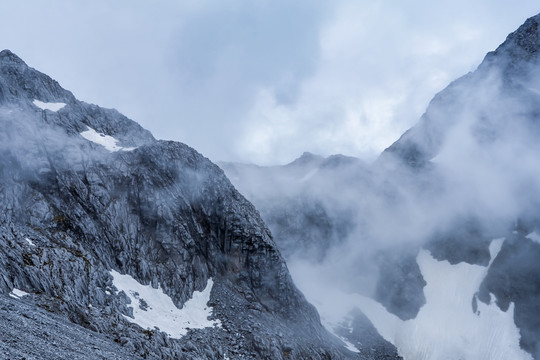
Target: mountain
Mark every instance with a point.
(436, 242)
(299, 201)
(117, 245)
(307, 206)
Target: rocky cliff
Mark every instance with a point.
(103, 227)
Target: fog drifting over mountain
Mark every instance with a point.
(260, 81)
(465, 175)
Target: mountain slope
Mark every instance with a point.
(33, 333)
(500, 94)
(422, 220)
(299, 201)
(87, 195)
(484, 128)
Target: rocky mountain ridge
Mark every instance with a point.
(462, 180)
(86, 193)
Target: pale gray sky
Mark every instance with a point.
(257, 80)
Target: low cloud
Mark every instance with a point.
(261, 82)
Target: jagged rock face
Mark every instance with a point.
(360, 332)
(21, 83)
(514, 278)
(499, 105)
(401, 284)
(72, 210)
(313, 206)
(38, 334)
(498, 96)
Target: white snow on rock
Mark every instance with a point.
(446, 326)
(108, 142)
(534, 237)
(17, 294)
(349, 345)
(49, 106)
(153, 308)
(30, 242)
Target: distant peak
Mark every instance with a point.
(20, 82)
(307, 158)
(527, 36)
(308, 155)
(8, 56)
(522, 44)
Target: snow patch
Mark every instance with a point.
(29, 242)
(333, 326)
(349, 345)
(152, 308)
(446, 326)
(49, 106)
(17, 294)
(108, 142)
(534, 237)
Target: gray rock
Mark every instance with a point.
(161, 213)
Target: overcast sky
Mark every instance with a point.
(257, 80)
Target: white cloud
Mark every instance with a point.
(261, 81)
(380, 64)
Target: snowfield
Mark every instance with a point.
(152, 308)
(446, 326)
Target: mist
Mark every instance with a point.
(343, 77)
(356, 234)
(466, 174)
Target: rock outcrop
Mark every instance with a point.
(85, 191)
